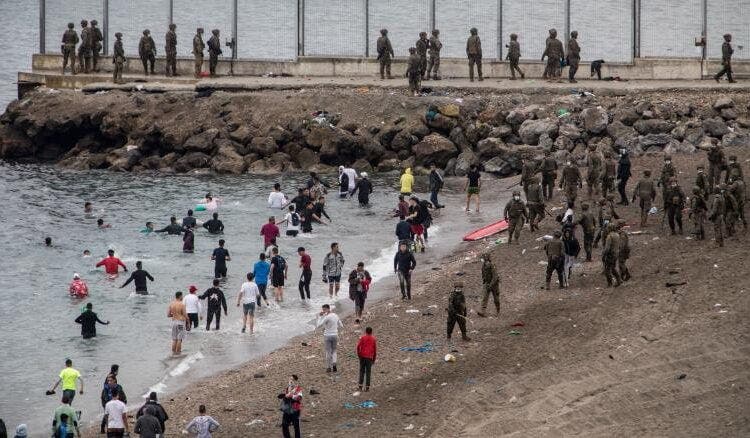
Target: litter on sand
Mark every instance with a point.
(449, 358)
(514, 332)
(412, 311)
(426, 348)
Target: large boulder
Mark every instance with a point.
(595, 119)
(498, 167)
(464, 160)
(124, 158)
(192, 160)
(85, 161)
(434, 149)
(530, 130)
(729, 114)
(369, 149)
(735, 139)
(652, 140)
(715, 127)
(14, 145)
(227, 160)
(490, 148)
(570, 131)
(653, 126)
(502, 131)
(459, 139)
(627, 116)
(263, 146)
(723, 102)
(388, 134)
(243, 134)
(307, 158)
(403, 140)
(617, 130)
(202, 142)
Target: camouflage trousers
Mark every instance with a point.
(454, 318)
(514, 228)
(592, 181)
(622, 264)
(548, 184)
(536, 214)
(415, 81)
(385, 66)
(434, 66)
(608, 185)
(610, 269)
(84, 59)
(475, 59)
(699, 218)
(198, 63)
(171, 63)
(719, 230)
(552, 70)
(69, 53)
(588, 243)
(117, 72)
(493, 289)
(645, 207)
(714, 175)
(571, 192)
(97, 52)
(513, 65)
(423, 66)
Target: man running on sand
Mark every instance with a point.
(177, 312)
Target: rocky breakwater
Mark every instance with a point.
(278, 131)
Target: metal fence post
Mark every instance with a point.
(42, 20)
(636, 28)
(105, 27)
(367, 28)
(433, 25)
(300, 28)
(566, 35)
(235, 12)
(500, 30)
(171, 12)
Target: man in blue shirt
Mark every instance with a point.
(261, 270)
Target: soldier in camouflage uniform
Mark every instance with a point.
(726, 60)
(555, 251)
(68, 47)
(385, 53)
(198, 47)
(422, 44)
(474, 53)
(118, 59)
(414, 71)
(528, 170)
(734, 170)
(646, 192)
(214, 50)
(548, 167)
(574, 56)
(514, 55)
(572, 181)
(731, 208)
(491, 285)
(610, 256)
(698, 209)
(675, 202)
(85, 50)
(606, 215)
(716, 215)
(593, 177)
(457, 311)
(587, 221)
(147, 51)
(716, 163)
(737, 189)
(609, 174)
(667, 173)
(701, 181)
(515, 213)
(435, 47)
(622, 260)
(535, 203)
(98, 38)
(170, 48)
(555, 53)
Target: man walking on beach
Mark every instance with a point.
(176, 312)
(291, 407)
(68, 377)
(333, 265)
(473, 185)
(491, 285)
(359, 284)
(403, 263)
(216, 301)
(367, 350)
(330, 323)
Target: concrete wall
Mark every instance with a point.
(322, 66)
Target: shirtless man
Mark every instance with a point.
(179, 316)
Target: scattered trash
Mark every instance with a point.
(258, 376)
(545, 237)
(449, 358)
(471, 381)
(514, 332)
(611, 357)
(716, 266)
(501, 240)
(368, 404)
(412, 311)
(411, 414)
(426, 348)
(409, 427)
(542, 263)
(355, 394)
(717, 305)
(518, 324)
(653, 210)
(652, 301)
(562, 112)
(681, 376)
(254, 422)
(673, 284)
(655, 238)
(310, 357)
(346, 426)
(362, 90)
(723, 311)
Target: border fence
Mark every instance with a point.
(614, 30)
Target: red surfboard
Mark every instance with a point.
(487, 231)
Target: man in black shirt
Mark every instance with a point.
(139, 276)
(216, 301)
(308, 216)
(403, 264)
(173, 227)
(300, 201)
(221, 256)
(157, 409)
(403, 230)
(214, 226)
(473, 184)
(88, 320)
(320, 208)
(189, 221)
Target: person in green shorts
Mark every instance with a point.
(473, 184)
(68, 378)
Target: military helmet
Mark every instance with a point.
(118, 35)
(84, 23)
(574, 34)
(473, 31)
(667, 158)
(146, 31)
(458, 284)
(553, 32)
(516, 193)
(71, 25)
(384, 32)
(557, 233)
(173, 26)
(701, 167)
(94, 22)
(513, 36)
(199, 30)
(215, 31)
(436, 32)
(585, 206)
(647, 173)
(727, 36)
(696, 190)
(422, 34)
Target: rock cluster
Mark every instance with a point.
(224, 134)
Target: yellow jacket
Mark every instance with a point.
(407, 181)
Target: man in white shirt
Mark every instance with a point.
(192, 308)
(330, 323)
(277, 199)
(293, 221)
(248, 295)
(117, 420)
(352, 174)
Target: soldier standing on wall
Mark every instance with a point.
(474, 53)
(514, 55)
(84, 50)
(214, 50)
(170, 48)
(574, 56)
(422, 44)
(726, 60)
(97, 37)
(68, 47)
(414, 72)
(118, 59)
(147, 51)
(435, 47)
(385, 53)
(198, 47)
(555, 54)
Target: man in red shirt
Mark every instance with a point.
(269, 232)
(367, 349)
(305, 263)
(111, 264)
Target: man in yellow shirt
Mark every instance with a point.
(407, 181)
(68, 378)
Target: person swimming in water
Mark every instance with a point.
(88, 207)
(78, 288)
(100, 224)
(48, 241)
(188, 241)
(149, 228)
(173, 228)
(111, 264)
(214, 226)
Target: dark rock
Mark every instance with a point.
(502, 131)
(498, 167)
(306, 158)
(729, 114)
(723, 102)
(459, 139)
(441, 123)
(14, 144)
(419, 130)
(370, 150)
(434, 149)
(124, 158)
(595, 119)
(650, 140)
(403, 141)
(489, 148)
(617, 129)
(476, 132)
(735, 139)
(351, 127)
(263, 146)
(715, 127)
(653, 126)
(203, 142)
(530, 130)
(516, 117)
(192, 160)
(570, 131)
(388, 134)
(227, 160)
(464, 160)
(627, 116)
(389, 164)
(362, 165)
(280, 135)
